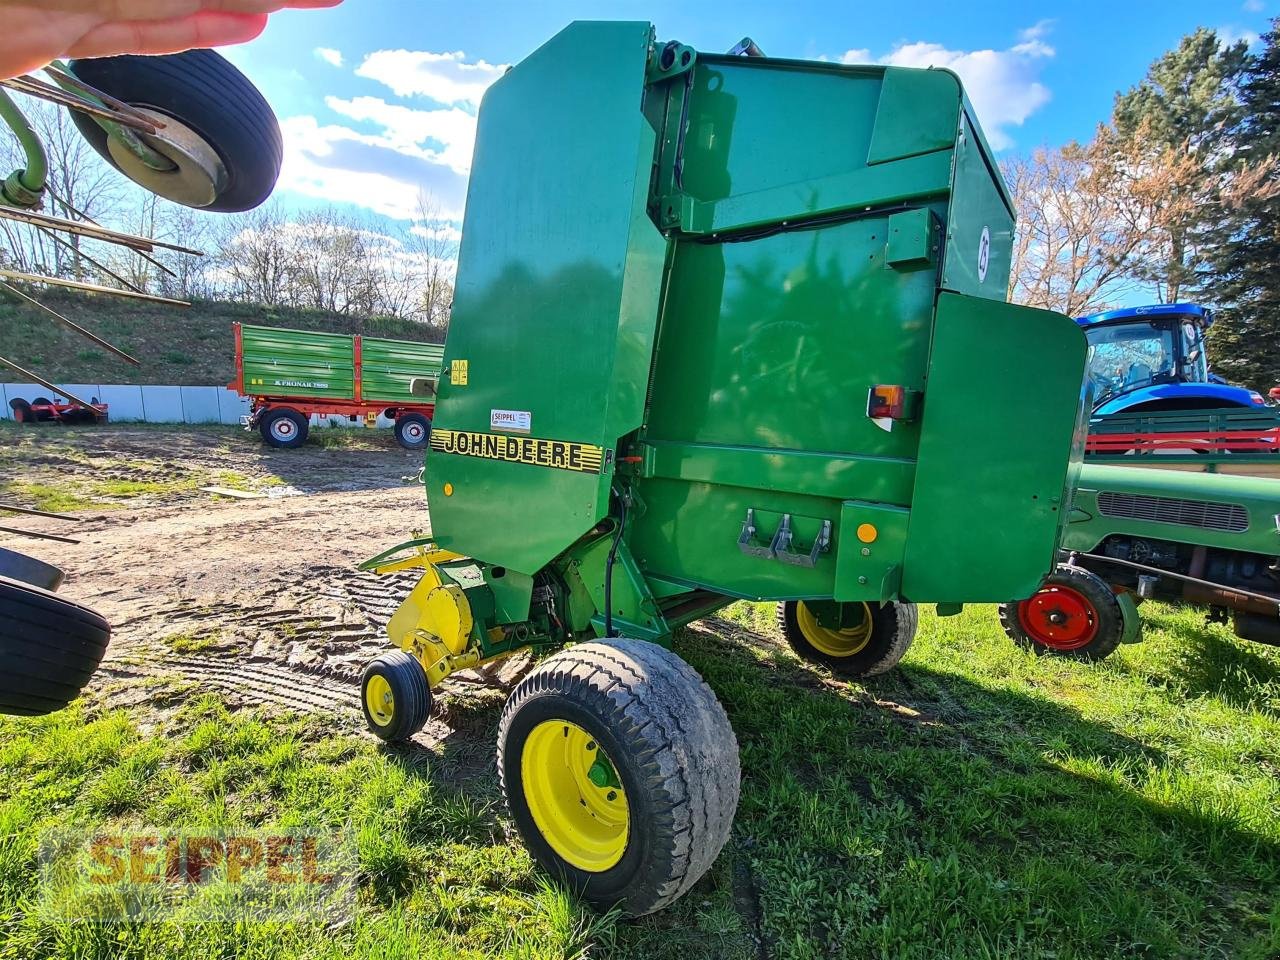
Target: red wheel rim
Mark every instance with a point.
(1060, 618)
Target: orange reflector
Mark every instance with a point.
(885, 400)
(448, 489)
(867, 533)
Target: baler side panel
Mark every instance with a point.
(554, 313)
(979, 240)
(996, 446)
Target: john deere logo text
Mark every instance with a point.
(579, 457)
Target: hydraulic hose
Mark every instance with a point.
(608, 568)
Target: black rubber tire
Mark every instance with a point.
(1106, 610)
(301, 427)
(203, 90)
(29, 570)
(405, 423)
(410, 694)
(21, 411)
(49, 648)
(672, 748)
(894, 627)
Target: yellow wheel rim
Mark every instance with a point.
(834, 643)
(379, 699)
(574, 795)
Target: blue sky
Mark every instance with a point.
(377, 97)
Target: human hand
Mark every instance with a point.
(37, 31)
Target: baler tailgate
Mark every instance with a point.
(993, 464)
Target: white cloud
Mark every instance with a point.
(330, 56)
(1254, 6)
(1003, 85)
(1231, 35)
(336, 164)
(446, 78)
(412, 131)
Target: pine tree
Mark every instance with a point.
(1244, 245)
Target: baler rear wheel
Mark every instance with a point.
(873, 647)
(621, 772)
(1075, 614)
(395, 696)
(49, 648)
(284, 428)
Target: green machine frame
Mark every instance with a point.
(682, 277)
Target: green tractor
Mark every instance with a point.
(726, 327)
(1136, 532)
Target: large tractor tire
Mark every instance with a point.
(871, 647)
(49, 648)
(396, 696)
(621, 772)
(284, 428)
(219, 131)
(1075, 614)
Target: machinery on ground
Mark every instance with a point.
(289, 375)
(1136, 533)
(724, 327)
(1144, 359)
(57, 410)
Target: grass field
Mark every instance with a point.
(979, 802)
(191, 346)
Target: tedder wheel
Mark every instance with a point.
(1075, 614)
(21, 411)
(413, 430)
(395, 696)
(873, 646)
(284, 428)
(621, 772)
(219, 132)
(49, 648)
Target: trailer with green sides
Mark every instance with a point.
(290, 375)
(725, 327)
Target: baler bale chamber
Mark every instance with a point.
(724, 327)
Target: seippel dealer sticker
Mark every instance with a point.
(511, 421)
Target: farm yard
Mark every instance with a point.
(976, 802)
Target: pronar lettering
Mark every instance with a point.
(305, 384)
(557, 454)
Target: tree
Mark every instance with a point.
(1171, 137)
(1244, 243)
(1076, 240)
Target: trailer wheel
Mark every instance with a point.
(220, 133)
(872, 647)
(1074, 615)
(284, 428)
(49, 648)
(396, 696)
(621, 772)
(413, 430)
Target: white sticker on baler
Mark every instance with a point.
(511, 421)
(984, 254)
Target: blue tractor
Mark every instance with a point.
(1153, 358)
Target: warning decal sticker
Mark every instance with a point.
(578, 457)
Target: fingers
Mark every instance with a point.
(209, 29)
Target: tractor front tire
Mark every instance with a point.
(49, 648)
(1075, 614)
(413, 430)
(621, 772)
(873, 647)
(396, 696)
(284, 429)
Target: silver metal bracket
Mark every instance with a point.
(781, 546)
(748, 543)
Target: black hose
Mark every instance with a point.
(608, 569)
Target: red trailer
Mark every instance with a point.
(288, 375)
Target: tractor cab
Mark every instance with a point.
(1154, 358)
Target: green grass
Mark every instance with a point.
(192, 346)
(70, 494)
(979, 802)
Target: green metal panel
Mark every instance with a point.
(388, 366)
(1005, 409)
(556, 300)
(297, 363)
(1260, 499)
(918, 112)
(979, 223)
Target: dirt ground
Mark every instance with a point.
(258, 599)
